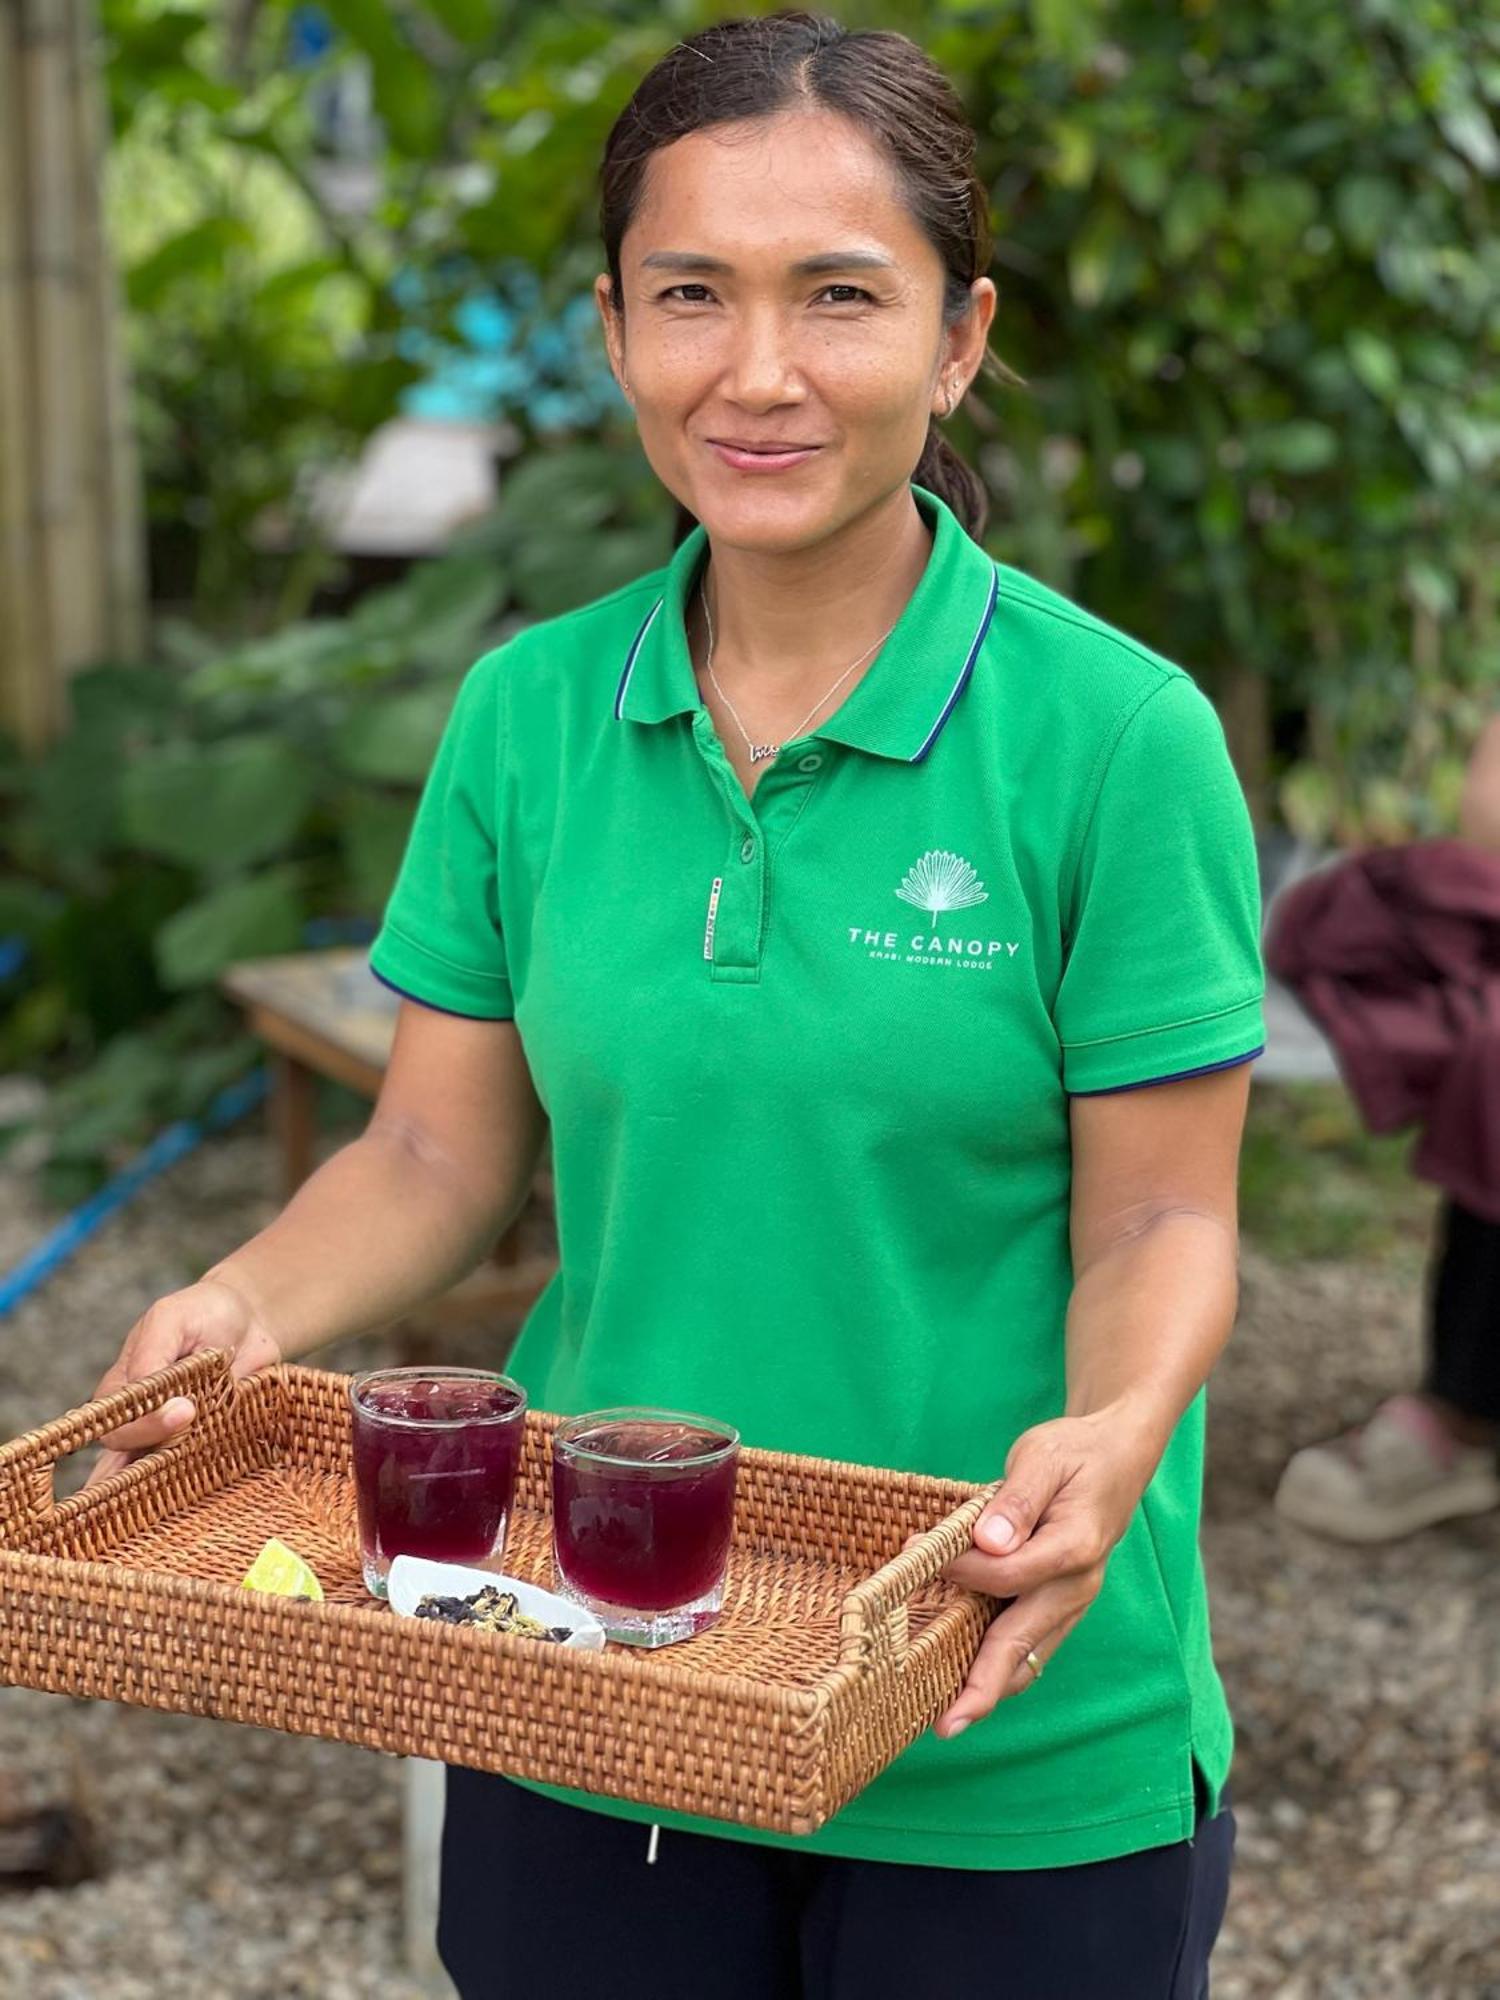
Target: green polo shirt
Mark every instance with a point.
(807, 1061)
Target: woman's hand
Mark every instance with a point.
(208, 1314)
(1070, 1489)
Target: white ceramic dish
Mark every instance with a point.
(413, 1577)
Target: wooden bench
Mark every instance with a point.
(324, 1013)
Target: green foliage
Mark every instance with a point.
(143, 1079)
(1251, 269)
(1314, 1183)
(202, 811)
(222, 805)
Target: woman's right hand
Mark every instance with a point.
(208, 1314)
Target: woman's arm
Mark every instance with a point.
(390, 1220)
(1154, 1225)
(440, 1171)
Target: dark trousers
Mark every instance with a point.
(1463, 1312)
(540, 1897)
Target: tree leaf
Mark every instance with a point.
(405, 88)
(561, 493)
(1432, 587)
(1145, 177)
(1277, 208)
(550, 579)
(1064, 29)
(1301, 446)
(1374, 361)
(1366, 206)
(1104, 261)
(1468, 131)
(191, 254)
(373, 831)
(27, 910)
(450, 605)
(1073, 154)
(1194, 209)
(216, 807)
(394, 737)
(472, 22)
(254, 918)
(70, 802)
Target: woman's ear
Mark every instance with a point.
(967, 339)
(613, 325)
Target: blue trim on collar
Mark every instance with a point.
(968, 667)
(887, 713)
(632, 656)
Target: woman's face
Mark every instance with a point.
(782, 338)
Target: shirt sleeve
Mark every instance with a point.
(440, 940)
(1162, 974)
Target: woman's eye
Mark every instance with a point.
(839, 295)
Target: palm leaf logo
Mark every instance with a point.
(942, 881)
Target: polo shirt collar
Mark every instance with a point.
(902, 702)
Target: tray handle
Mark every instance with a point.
(873, 1621)
(27, 1463)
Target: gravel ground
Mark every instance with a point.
(245, 1865)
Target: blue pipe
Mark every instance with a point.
(165, 1150)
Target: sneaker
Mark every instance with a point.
(1401, 1471)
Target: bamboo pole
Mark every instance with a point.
(71, 564)
(23, 637)
(119, 472)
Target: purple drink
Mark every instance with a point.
(642, 1516)
(435, 1457)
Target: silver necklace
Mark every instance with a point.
(760, 751)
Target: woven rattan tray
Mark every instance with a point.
(836, 1648)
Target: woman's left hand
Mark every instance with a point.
(1070, 1489)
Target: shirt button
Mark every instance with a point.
(747, 851)
(809, 763)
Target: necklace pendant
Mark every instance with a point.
(760, 751)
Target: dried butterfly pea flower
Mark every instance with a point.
(491, 1610)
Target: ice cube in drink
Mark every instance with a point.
(436, 1453)
(643, 1513)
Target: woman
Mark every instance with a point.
(834, 893)
(1426, 911)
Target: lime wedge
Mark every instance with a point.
(283, 1573)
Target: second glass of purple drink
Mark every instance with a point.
(436, 1452)
(642, 1518)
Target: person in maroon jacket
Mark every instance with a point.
(1433, 1453)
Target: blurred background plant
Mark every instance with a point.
(1250, 271)
(212, 805)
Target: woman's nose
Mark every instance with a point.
(762, 370)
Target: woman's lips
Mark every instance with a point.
(761, 461)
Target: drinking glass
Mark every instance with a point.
(642, 1514)
(435, 1458)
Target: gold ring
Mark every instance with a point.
(1035, 1665)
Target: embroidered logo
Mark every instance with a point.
(942, 881)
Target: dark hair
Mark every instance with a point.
(882, 83)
